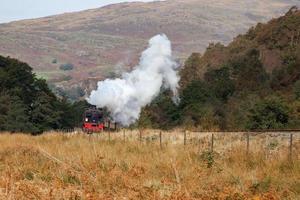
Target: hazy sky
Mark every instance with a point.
(11, 10)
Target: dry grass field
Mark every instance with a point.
(67, 166)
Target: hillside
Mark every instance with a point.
(252, 83)
(277, 41)
(95, 41)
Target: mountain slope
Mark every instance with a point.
(252, 83)
(96, 40)
(277, 41)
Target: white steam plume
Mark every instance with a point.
(124, 98)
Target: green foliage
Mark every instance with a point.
(208, 157)
(273, 144)
(73, 113)
(66, 78)
(73, 94)
(28, 105)
(54, 61)
(196, 92)
(261, 186)
(297, 89)
(237, 110)
(44, 113)
(294, 114)
(70, 179)
(220, 83)
(270, 113)
(4, 108)
(289, 73)
(248, 72)
(16, 119)
(162, 113)
(191, 68)
(195, 107)
(203, 102)
(66, 67)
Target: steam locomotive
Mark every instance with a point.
(97, 120)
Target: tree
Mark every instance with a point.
(78, 108)
(190, 72)
(17, 119)
(270, 113)
(220, 83)
(28, 105)
(4, 108)
(297, 89)
(44, 114)
(248, 72)
(197, 105)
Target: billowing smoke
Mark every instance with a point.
(125, 97)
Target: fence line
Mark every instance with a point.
(209, 138)
(291, 147)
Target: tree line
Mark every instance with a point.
(28, 105)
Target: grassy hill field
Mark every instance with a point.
(62, 166)
(97, 40)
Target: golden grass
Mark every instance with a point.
(57, 166)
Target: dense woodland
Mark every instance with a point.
(28, 105)
(252, 84)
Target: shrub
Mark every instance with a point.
(271, 113)
(208, 157)
(261, 186)
(54, 61)
(297, 89)
(66, 67)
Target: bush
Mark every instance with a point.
(54, 61)
(220, 83)
(66, 78)
(297, 89)
(209, 158)
(271, 113)
(66, 67)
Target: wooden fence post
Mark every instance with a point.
(212, 142)
(248, 143)
(184, 138)
(291, 147)
(160, 139)
(140, 136)
(124, 136)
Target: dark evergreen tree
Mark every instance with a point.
(271, 113)
(28, 105)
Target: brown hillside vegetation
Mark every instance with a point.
(277, 41)
(96, 40)
(60, 166)
(251, 84)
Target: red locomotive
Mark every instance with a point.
(93, 120)
(96, 120)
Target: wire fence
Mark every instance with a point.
(287, 141)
